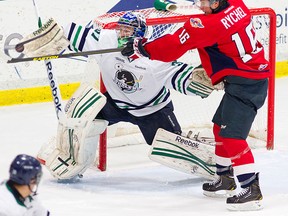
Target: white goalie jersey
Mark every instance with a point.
(140, 86)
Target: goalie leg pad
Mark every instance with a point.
(85, 100)
(59, 164)
(184, 154)
(77, 135)
(87, 150)
(62, 165)
(83, 107)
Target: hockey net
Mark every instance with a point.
(194, 113)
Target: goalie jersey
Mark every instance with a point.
(141, 86)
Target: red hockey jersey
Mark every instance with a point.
(226, 43)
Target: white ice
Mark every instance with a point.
(134, 185)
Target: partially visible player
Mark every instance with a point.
(137, 92)
(225, 38)
(18, 193)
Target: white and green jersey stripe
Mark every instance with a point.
(140, 86)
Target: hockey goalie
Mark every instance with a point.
(138, 91)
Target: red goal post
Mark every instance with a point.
(157, 18)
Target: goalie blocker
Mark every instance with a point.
(44, 41)
(191, 156)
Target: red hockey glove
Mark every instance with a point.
(134, 48)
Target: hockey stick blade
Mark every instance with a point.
(67, 55)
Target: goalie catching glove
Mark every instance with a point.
(47, 40)
(77, 137)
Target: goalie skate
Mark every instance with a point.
(183, 154)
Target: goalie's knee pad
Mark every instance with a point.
(83, 106)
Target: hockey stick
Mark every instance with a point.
(184, 7)
(172, 6)
(55, 90)
(67, 55)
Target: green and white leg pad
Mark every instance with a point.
(184, 154)
(77, 135)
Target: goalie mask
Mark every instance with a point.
(132, 25)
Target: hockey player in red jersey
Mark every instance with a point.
(225, 38)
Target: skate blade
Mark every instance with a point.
(220, 193)
(249, 206)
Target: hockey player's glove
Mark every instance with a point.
(135, 48)
(47, 40)
(200, 84)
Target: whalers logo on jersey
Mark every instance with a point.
(126, 81)
(196, 23)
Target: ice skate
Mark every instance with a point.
(249, 199)
(223, 186)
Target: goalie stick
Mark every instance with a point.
(55, 90)
(67, 55)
